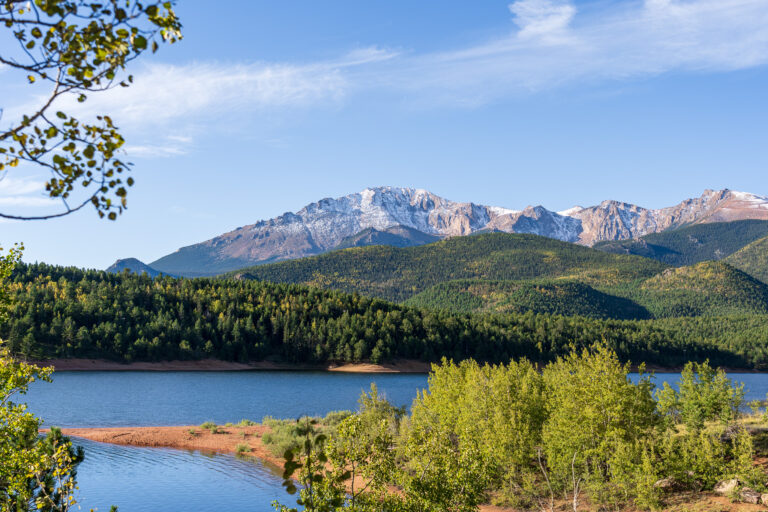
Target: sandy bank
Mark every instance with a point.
(404, 366)
(184, 438)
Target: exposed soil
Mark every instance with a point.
(402, 366)
(184, 438)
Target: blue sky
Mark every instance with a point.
(266, 106)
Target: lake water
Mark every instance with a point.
(149, 479)
(159, 479)
(114, 399)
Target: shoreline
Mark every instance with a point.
(213, 365)
(225, 440)
(217, 365)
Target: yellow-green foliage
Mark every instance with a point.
(288, 434)
(560, 297)
(752, 259)
(35, 472)
(595, 414)
(397, 274)
(705, 395)
(475, 427)
(580, 428)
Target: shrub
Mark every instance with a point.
(705, 395)
(288, 434)
(246, 423)
(594, 412)
(242, 448)
(333, 418)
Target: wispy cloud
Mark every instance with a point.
(23, 192)
(555, 45)
(552, 43)
(170, 146)
(162, 92)
(545, 19)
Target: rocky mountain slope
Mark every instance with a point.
(396, 236)
(322, 226)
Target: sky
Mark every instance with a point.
(267, 106)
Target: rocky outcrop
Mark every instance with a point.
(747, 495)
(726, 487)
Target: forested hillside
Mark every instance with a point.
(691, 244)
(752, 259)
(512, 273)
(560, 298)
(399, 273)
(705, 289)
(66, 312)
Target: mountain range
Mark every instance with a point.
(404, 217)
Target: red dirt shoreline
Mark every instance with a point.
(216, 365)
(183, 438)
(402, 366)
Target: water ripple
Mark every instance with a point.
(148, 479)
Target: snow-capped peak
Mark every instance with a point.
(499, 210)
(320, 226)
(570, 212)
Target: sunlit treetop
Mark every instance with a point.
(76, 47)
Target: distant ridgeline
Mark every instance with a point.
(693, 244)
(67, 312)
(512, 273)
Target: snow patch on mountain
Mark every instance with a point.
(321, 226)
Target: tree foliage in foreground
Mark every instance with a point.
(582, 431)
(72, 49)
(36, 473)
